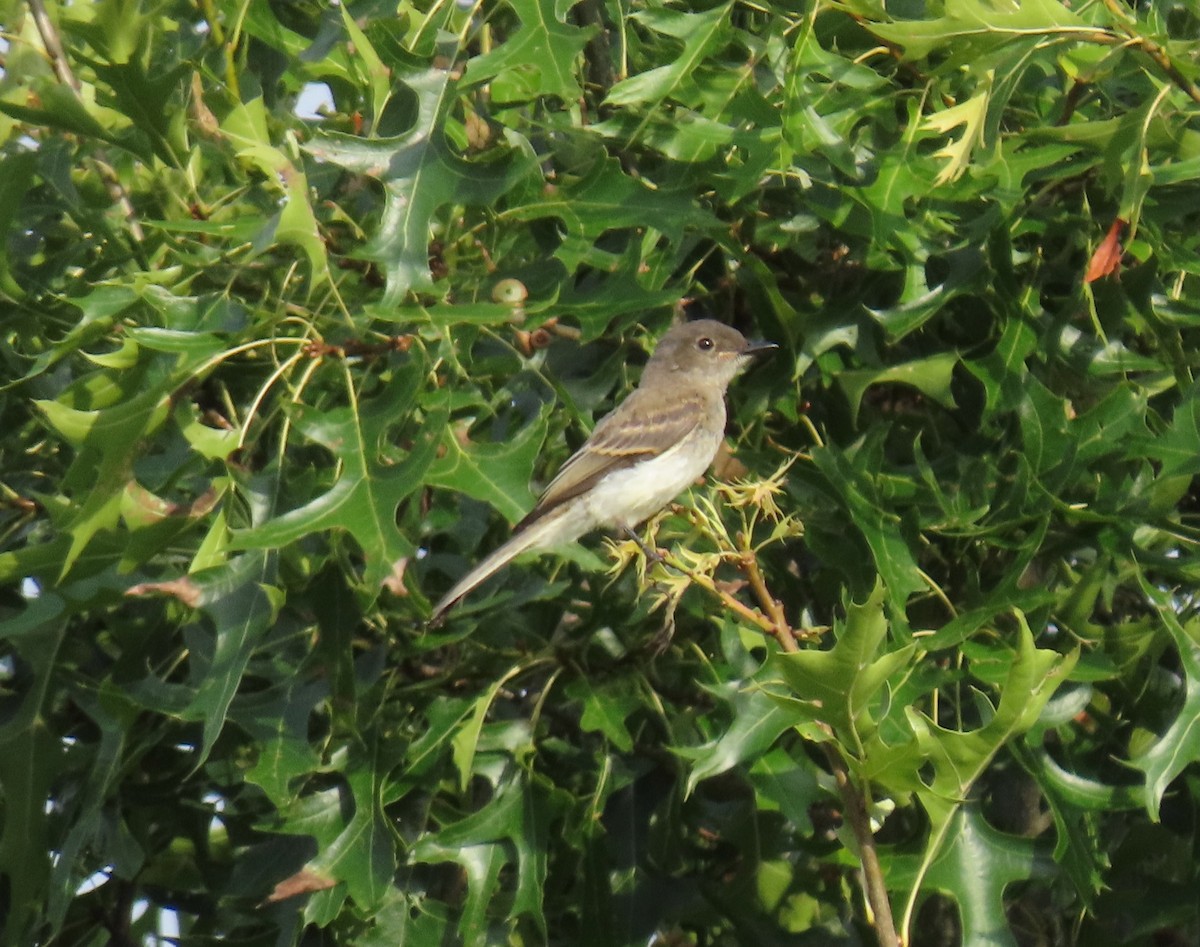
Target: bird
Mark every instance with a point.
(640, 456)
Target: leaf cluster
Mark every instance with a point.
(275, 375)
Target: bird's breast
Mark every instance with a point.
(626, 497)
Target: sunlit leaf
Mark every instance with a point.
(540, 58)
(420, 173)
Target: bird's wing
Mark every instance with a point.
(639, 429)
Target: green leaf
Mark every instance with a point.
(1167, 756)
(606, 708)
(976, 867)
(295, 223)
(1074, 802)
(362, 854)
(539, 59)
(786, 782)
(857, 484)
(700, 33)
(420, 173)
(970, 115)
(278, 721)
(18, 175)
(90, 825)
(236, 599)
(1177, 449)
(606, 199)
(979, 20)
(30, 762)
(758, 721)
(107, 439)
(368, 489)
(512, 823)
(841, 686)
(377, 72)
(958, 758)
(60, 109)
(466, 740)
(496, 472)
(931, 376)
(148, 102)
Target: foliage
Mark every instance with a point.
(274, 380)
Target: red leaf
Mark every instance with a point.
(183, 589)
(303, 882)
(1107, 258)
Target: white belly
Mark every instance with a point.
(626, 497)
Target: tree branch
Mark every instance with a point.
(782, 631)
(854, 802)
(855, 807)
(729, 601)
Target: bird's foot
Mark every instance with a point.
(652, 554)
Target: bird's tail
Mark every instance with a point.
(521, 542)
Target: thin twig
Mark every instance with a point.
(62, 68)
(1159, 55)
(1126, 23)
(855, 806)
(853, 800)
(228, 47)
(705, 582)
(771, 605)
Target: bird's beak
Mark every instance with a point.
(758, 347)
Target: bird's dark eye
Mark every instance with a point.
(704, 344)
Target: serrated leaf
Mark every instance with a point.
(497, 473)
(1167, 757)
(606, 707)
(18, 175)
(363, 853)
(235, 597)
(958, 758)
(1074, 803)
(278, 720)
(931, 376)
(466, 739)
(512, 823)
(30, 761)
(295, 224)
(364, 498)
(856, 484)
(378, 77)
(606, 199)
(62, 109)
(980, 20)
(788, 782)
(758, 721)
(107, 440)
(1176, 449)
(539, 59)
(970, 115)
(841, 684)
(975, 868)
(919, 302)
(700, 32)
(420, 174)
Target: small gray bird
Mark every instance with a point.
(643, 454)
